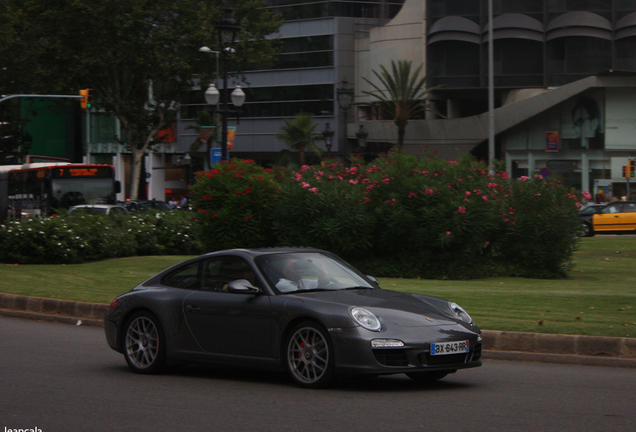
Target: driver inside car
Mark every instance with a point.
(293, 271)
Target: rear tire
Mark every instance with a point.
(144, 344)
(588, 231)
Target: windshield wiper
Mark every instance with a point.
(313, 290)
(358, 287)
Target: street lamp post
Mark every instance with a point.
(345, 97)
(212, 98)
(328, 135)
(362, 136)
(226, 28)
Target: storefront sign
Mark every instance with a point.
(552, 141)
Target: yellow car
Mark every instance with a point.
(617, 217)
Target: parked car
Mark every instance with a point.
(146, 205)
(305, 311)
(586, 216)
(102, 209)
(614, 218)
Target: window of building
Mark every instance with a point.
(299, 9)
(283, 101)
(626, 5)
(466, 8)
(626, 54)
(304, 52)
(103, 128)
(518, 6)
(518, 62)
(289, 100)
(454, 64)
(570, 58)
(600, 7)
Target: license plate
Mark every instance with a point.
(444, 348)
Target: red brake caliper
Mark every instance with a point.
(300, 354)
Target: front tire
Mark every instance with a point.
(309, 356)
(144, 344)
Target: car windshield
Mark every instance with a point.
(90, 210)
(309, 271)
(590, 210)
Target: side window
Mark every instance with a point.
(185, 277)
(610, 209)
(629, 208)
(218, 273)
(210, 275)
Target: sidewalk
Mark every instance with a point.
(498, 345)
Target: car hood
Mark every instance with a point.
(390, 306)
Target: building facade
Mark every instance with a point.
(317, 60)
(564, 81)
(563, 85)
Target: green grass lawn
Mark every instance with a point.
(599, 297)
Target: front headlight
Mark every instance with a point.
(460, 313)
(365, 318)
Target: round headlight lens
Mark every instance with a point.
(460, 313)
(366, 319)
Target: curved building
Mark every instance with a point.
(564, 74)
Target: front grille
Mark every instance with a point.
(440, 360)
(391, 357)
(476, 352)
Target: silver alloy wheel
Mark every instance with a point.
(308, 355)
(142, 342)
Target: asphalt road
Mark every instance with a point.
(64, 378)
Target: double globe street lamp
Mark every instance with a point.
(227, 28)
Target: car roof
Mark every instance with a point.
(254, 252)
(96, 205)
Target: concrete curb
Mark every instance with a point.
(563, 349)
(498, 345)
(54, 307)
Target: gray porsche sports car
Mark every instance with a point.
(302, 310)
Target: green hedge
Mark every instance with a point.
(78, 238)
(397, 216)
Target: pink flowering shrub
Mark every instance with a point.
(397, 215)
(540, 228)
(232, 204)
(323, 207)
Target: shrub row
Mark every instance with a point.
(81, 237)
(396, 216)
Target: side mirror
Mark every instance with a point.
(241, 286)
(374, 280)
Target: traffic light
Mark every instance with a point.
(626, 171)
(87, 98)
(632, 168)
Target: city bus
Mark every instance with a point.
(41, 188)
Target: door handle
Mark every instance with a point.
(193, 309)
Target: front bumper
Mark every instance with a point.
(354, 354)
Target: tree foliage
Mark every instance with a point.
(139, 56)
(299, 135)
(402, 93)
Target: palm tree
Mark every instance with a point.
(299, 135)
(403, 95)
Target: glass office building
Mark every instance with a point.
(318, 39)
